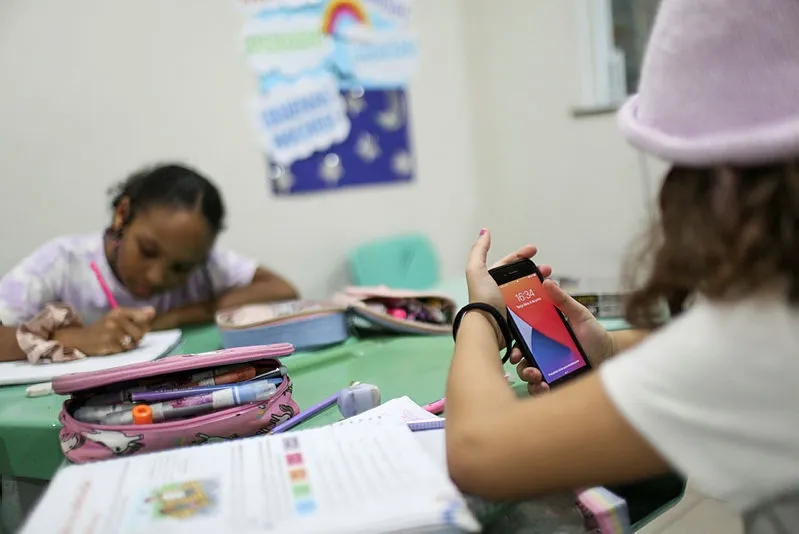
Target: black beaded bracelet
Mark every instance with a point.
(492, 311)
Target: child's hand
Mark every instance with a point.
(528, 373)
(118, 331)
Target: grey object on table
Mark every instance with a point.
(555, 514)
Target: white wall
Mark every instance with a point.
(571, 186)
(92, 89)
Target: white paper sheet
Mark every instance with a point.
(153, 346)
(403, 410)
(366, 478)
(399, 410)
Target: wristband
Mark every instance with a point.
(498, 318)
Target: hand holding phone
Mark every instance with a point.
(543, 335)
(527, 373)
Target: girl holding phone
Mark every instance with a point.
(712, 392)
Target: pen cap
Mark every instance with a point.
(254, 391)
(357, 399)
(142, 414)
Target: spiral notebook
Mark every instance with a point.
(354, 478)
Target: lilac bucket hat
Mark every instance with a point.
(719, 84)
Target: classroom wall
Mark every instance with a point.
(91, 89)
(570, 185)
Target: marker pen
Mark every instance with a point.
(191, 406)
(179, 393)
(220, 376)
(95, 414)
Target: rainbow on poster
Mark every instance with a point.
(340, 9)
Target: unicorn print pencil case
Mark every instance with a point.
(177, 401)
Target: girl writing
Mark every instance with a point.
(158, 258)
(712, 393)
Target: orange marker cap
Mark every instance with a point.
(142, 415)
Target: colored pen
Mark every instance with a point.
(190, 406)
(95, 414)
(216, 377)
(104, 285)
(352, 400)
(314, 410)
(179, 393)
(436, 407)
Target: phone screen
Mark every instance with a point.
(541, 328)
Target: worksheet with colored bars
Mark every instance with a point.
(345, 479)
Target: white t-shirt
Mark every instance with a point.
(716, 392)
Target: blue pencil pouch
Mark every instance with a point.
(306, 324)
(313, 324)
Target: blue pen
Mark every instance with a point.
(171, 394)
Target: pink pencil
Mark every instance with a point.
(436, 407)
(108, 295)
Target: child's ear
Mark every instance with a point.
(121, 214)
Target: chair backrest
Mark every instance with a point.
(402, 262)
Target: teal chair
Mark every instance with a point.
(401, 262)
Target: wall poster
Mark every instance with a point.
(332, 106)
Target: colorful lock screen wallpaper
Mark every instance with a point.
(541, 328)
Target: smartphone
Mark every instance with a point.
(541, 331)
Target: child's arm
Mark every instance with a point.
(626, 339)
(499, 447)
(25, 290)
(9, 348)
(264, 287)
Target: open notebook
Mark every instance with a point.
(152, 346)
(352, 478)
(403, 410)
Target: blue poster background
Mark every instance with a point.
(378, 149)
(306, 176)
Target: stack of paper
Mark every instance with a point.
(348, 478)
(403, 410)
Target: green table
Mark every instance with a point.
(416, 367)
(29, 427)
(413, 366)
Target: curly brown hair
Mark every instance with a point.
(725, 233)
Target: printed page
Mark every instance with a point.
(434, 444)
(399, 410)
(153, 346)
(348, 479)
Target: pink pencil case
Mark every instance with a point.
(371, 308)
(84, 442)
